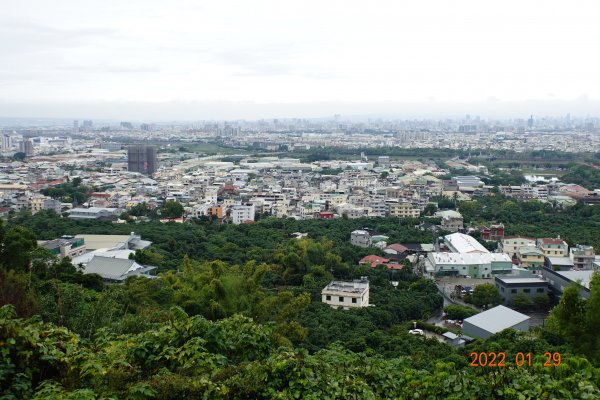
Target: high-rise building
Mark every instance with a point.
(76, 126)
(6, 142)
(530, 122)
(142, 159)
(26, 146)
(87, 125)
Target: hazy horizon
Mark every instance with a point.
(194, 111)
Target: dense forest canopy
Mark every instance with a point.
(236, 313)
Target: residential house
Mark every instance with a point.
(451, 221)
(360, 238)
(396, 250)
(346, 295)
(530, 257)
(494, 232)
(553, 247)
(583, 257)
(373, 260)
(511, 244)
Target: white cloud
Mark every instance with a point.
(289, 52)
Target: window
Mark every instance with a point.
(513, 290)
(341, 299)
(327, 297)
(540, 290)
(526, 290)
(354, 300)
(502, 289)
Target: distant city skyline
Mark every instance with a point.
(197, 111)
(187, 60)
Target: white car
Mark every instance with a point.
(416, 332)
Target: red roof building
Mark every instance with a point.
(373, 260)
(324, 215)
(396, 248)
(394, 266)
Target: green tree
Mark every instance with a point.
(592, 318)
(16, 247)
(486, 294)
(172, 209)
(566, 318)
(522, 302)
(455, 311)
(430, 209)
(139, 210)
(541, 301)
(19, 156)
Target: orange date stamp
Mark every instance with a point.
(499, 359)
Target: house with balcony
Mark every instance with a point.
(530, 257)
(553, 247)
(511, 244)
(583, 257)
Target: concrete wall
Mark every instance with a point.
(475, 331)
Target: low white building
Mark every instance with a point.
(347, 295)
(94, 213)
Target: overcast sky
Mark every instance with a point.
(65, 57)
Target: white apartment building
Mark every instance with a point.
(241, 213)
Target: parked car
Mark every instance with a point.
(416, 332)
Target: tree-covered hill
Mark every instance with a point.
(236, 313)
(234, 358)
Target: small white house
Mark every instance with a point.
(347, 295)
